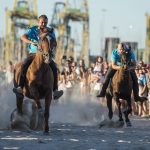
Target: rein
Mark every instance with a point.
(127, 60)
(45, 54)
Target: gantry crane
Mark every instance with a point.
(62, 15)
(146, 53)
(22, 16)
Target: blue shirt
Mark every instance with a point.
(142, 80)
(33, 35)
(115, 57)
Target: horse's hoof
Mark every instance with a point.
(129, 124)
(121, 120)
(101, 125)
(110, 115)
(46, 133)
(119, 124)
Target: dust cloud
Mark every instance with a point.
(7, 104)
(76, 109)
(70, 108)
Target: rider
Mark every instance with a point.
(31, 37)
(115, 65)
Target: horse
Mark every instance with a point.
(120, 87)
(39, 79)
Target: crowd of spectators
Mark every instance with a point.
(89, 80)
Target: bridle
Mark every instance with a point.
(46, 54)
(125, 61)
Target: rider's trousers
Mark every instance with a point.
(24, 68)
(55, 73)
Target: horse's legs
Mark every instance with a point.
(46, 113)
(38, 103)
(34, 92)
(109, 105)
(127, 112)
(119, 108)
(19, 102)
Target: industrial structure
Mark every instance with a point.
(22, 16)
(146, 53)
(110, 44)
(62, 16)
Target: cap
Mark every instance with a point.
(126, 47)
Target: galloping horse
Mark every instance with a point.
(121, 88)
(39, 79)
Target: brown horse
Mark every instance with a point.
(121, 88)
(39, 79)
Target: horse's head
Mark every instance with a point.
(125, 56)
(46, 47)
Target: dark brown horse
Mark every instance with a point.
(39, 79)
(121, 88)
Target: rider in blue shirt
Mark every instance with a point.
(31, 37)
(115, 57)
(115, 65)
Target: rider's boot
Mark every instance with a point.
(137, 98)
(103, 90)
(57, 94)
(109, 75)
(19, 89)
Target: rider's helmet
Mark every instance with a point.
(126, 47)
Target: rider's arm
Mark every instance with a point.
(114, 66)
(114, 59)
(25, 39)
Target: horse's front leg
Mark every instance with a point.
(19, 103)
(109, 105)
(34, 92)
(127, 112)
(46, 113)
(119, 108)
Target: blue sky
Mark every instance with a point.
(128, 16)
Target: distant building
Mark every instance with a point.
(110, 44)
(146, 53)
(140, 54)
(1, 50)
